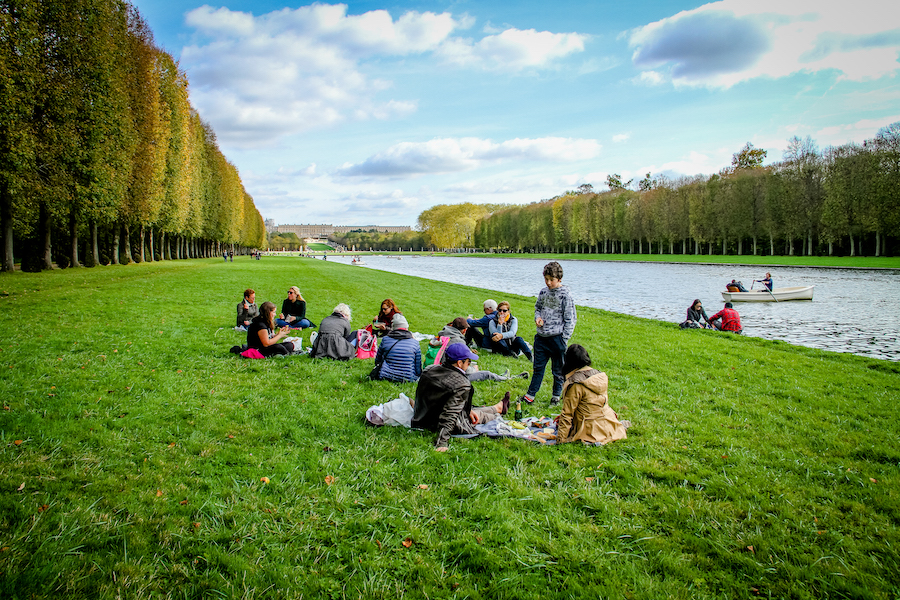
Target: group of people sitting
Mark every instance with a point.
(444, 394)
(697, 319)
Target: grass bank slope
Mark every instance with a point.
(141, 460)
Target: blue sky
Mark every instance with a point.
(369, 113)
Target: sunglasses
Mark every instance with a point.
(503, 310)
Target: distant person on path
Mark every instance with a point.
(586, 415)
(225, 255)
(478, 328)
(731, 320)
(260, 333)
(695, 313)
(247, 309)
(503, 334)
(555, 318)
(399, 356)
(335, 338)
(444, 399)
(293, 311)
(382, 323)
(767, 281)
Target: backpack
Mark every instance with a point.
(435, 354)
(366, 343)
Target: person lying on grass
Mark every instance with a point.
(444, 399)
(455, 331)
(586, 415)
(260, 334)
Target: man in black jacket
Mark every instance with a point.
(444, 399)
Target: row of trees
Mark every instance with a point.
(102, 157)
(381, 241)
(845, 199)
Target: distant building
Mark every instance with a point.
(270, 225)
(323, 231)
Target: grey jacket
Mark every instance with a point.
(557, 309)
(246, 314)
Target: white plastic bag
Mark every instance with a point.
(398, 411)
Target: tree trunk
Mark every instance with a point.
(877, 243)
(44, 216)
(791, 246)
(754, 245)
(852, 246)
(740, 246)
(115, 252)
(95, 246)
(6, 223)
(126, 240)
(771, 245)
(73, 236)
(141, 254)
(809, 251)
(830, 248)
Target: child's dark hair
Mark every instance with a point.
(554, 270)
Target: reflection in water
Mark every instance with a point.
(854, 310)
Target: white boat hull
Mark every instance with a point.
(776, 295)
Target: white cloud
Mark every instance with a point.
(621, 137)
(512, 49)
(858, 131)
(723, 43)
(447, 155)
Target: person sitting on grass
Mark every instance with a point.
(443, 401)
(399, 357)
(247, 309)
(455, 331)
(586, 415)
(335, 338)
(695, 313)
(293, 311)
(731, 320)
(478, 328)
(502, 332)
(261, 335)
(382, 323)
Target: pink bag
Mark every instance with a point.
(251, 353)
(366, 343)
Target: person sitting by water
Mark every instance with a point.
(586, 414)
(260, 333)
(695, 313)
(478, 333)
(767, 281)
(502, 334)
(444, 399)
(293, 311)
(335, 338)
(731, 320)
(399, 356)
(247, 309)
(382, 323)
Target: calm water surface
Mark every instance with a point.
(854, 310)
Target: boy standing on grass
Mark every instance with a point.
(555, 317)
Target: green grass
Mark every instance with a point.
(753, 468)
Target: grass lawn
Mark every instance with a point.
(141, 460)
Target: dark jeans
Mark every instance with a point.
(551, 349)
(283, 348)
(480, 337)
(301, 324)
(508, 348)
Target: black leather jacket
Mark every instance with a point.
(443, 403)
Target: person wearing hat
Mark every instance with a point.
(293, 311)
(399, 356)
(444, 399)
(731, 320)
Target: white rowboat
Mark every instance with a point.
(776, 295)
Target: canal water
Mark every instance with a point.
(853, 310)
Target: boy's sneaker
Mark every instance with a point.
(527, 398)
(554, 400)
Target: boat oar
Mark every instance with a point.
(767, 289)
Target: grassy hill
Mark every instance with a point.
(139, 459)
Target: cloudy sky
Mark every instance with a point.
(369, 113)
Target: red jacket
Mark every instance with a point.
(731, 320)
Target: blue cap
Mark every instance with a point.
(459, 351)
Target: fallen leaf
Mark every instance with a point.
(115, 350)
(21, 487)
(5, 407)
(873, 480)
(407, 542)
(588, 478)
(158, 492)
(820, 532)
(196, 525)
(4, 548)
(423, 486)
(172, 445)
(183, 502)
(685, 447)
(179, 370)
(230, 437)
(329, 479)
(750, 548)
(724, 456)
(264, 479)
(326, 449)
(378, 543)
(18, 442)
(43, 507)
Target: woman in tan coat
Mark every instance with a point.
(586, 414)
